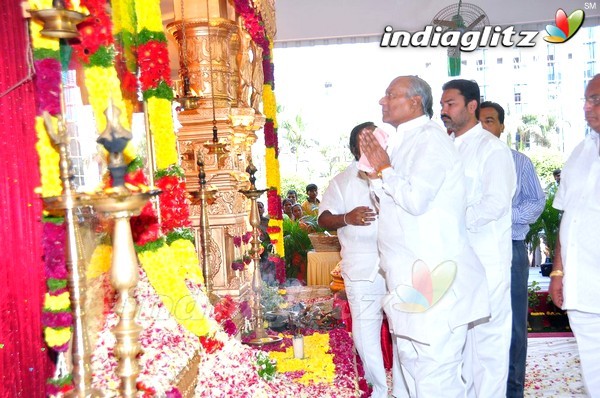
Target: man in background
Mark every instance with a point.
(348, 207)
(553, 186)
(292, 196)
(491, 182)
(575, 276)
(311, 205)
(527, 205)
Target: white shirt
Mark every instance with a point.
(346, 191)
(422, 217)
(491, 184)
(579, 196)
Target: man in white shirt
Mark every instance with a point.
(491, 182)
(575, 276)
(436, 283)
(348, 206)
(527, 205)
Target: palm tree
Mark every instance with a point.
(294, 134)
(536, 130)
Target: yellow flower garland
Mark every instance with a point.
(161, 126)
(103, 87)
(184, 254)
(149, 15)
(57, 337)
(269, 104)
(272, 163)
(170, 286)
(51, 185)
(57, 303)
(49, 173)
(317, 364)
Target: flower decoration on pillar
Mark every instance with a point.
(96, 52)
(46, 58)
(154, 69)
(255, 26)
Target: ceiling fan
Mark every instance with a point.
(460, 17)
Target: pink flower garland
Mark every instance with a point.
(53, 240)
(47, 85)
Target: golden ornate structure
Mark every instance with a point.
(224, 68)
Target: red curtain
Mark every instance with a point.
(25, 362)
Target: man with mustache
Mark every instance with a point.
(436, 284)
(575, 276)
(491, 183)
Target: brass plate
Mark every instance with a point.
(264, 340)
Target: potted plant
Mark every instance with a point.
(535, 317)
(296, 245)
(533, 299)
(545, 229)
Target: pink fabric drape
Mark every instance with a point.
(24, 362)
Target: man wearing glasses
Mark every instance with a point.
(575, 276)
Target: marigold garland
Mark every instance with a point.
(51, 185)
(57, 337)
(165, 142)
(46, 62)
(255, 26)
(96, 52)
(153, 64)
(56, 316)
(271, 156)
(170, 286)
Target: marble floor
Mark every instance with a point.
(553, 368)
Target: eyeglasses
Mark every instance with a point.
(593, 100)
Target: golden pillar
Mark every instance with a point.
(219, 61)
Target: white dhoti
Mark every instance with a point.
(487, 348)
(586, 328)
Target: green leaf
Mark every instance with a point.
(180, 233)
(150, 246)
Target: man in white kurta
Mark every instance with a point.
(436, 283)
(348, 206)
(491, 183)
(575, 276)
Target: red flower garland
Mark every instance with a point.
(95, 31)
(153, 61)
(174, 209)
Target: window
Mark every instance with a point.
(499, 61)
(480, 65)
(516, 62)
